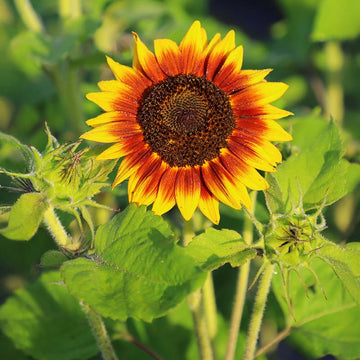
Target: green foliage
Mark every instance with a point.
(330, 178)
(46, 322)
(214, 248)
(346, 265)
(53, 258)
(25, 217)
(320, 325)
(137, 270)
(337, 20)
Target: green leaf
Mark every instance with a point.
(214, 248)
(25, 217)
(320, 326)
(137, 270)
(346, 265)
(337, 20)
(46, 322)
(274, 196)
(314, 172)
(53, 258)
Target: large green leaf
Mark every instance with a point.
(320, 326)
(338, 20)
(314, 171)
(214, 248)
(46, 322)
(137, 270)
(346, 265)
(25, 217)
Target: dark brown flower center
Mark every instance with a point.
(186, 119)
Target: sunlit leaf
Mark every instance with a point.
(314, 172)
(214, 248)
(320, 326)
(346, 265)
(137, 270)
(25, 217)
(338, 20)
(46, 322)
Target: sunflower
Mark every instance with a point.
(192, 126)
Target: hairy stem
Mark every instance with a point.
(258, 312)
(196, 305)
(241, 287)
(101, 336)
(210, 307)
(195, 302)
(55, 227)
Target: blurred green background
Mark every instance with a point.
(53, 53)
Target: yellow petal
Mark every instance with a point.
(113, 132)
(165, 199)
(258, 94)
(129, 76)
(145, 60)
(219, 52)
(231, 65)
(120, 149)
(147, 183)
(267, 129)
(245, 173)
(111, 116)
(187, 191)
(168, 56)
(209, 206)
(130, 164)
(191, 48)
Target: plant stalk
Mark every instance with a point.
(334, 91)
(197, 308)
(210, 307)
(101, 336)
(258, 312)
(55, 227)
(29, 16)
(195, 302)
(241, 287)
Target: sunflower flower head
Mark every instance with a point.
(192, 126)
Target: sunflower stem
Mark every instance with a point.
(258, 312)
(29, 16)
(99, 331)
(241, 286)
(195, 302)
(55, 227)
(210, 307)
(334, 92)
(188, 232)
(198, 308)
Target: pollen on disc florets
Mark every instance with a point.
(186, 119)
